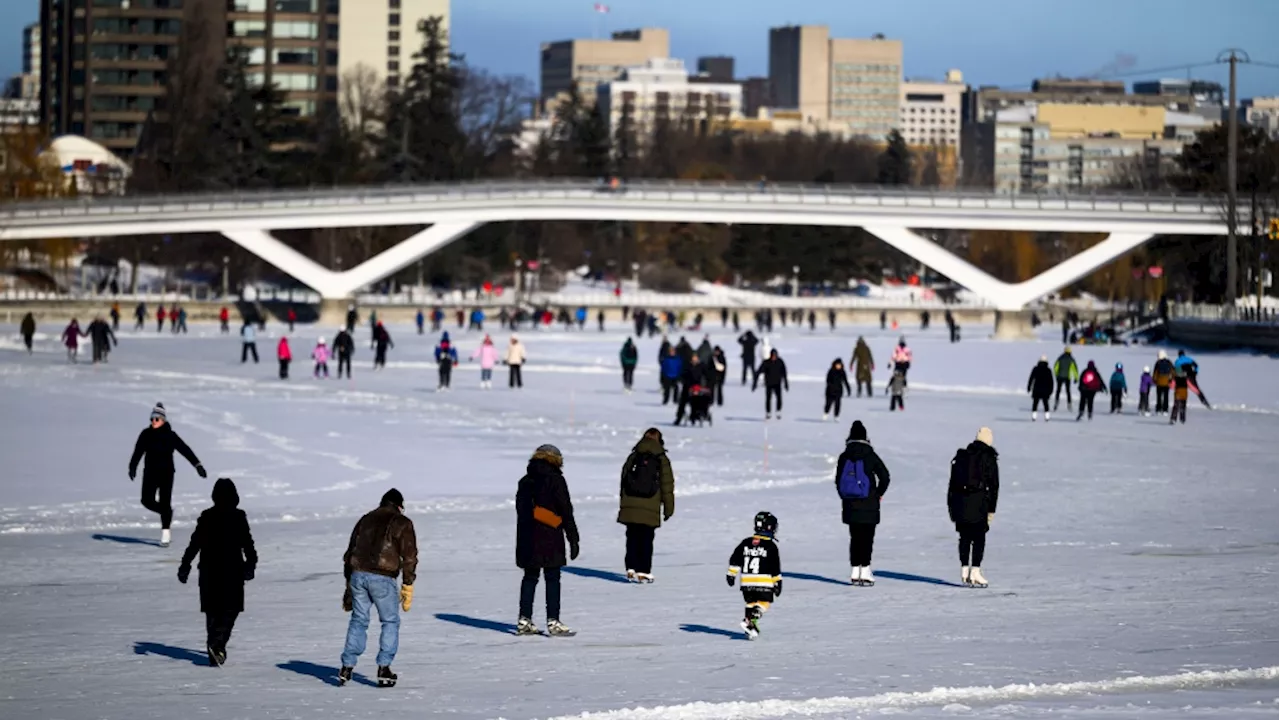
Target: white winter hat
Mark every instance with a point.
(320, 341)
(985, 436)
(1146, 369)
(1044, 358)
(1162, 355)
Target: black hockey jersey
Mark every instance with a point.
(757, 563)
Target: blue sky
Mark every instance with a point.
(994, 42)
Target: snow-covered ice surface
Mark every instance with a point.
(1133, 564)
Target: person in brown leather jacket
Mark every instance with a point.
(383, 545)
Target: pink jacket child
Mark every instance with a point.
(488, 355)
(71, 336)
(321, 356)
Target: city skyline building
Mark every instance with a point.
(659, 91)
(587, 64)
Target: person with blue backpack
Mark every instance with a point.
(861, 481)
(1119, 388)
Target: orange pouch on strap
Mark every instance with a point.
(546, 517)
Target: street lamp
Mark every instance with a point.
(795, 281)
(635, 274)
(225, 261)
(519, 275)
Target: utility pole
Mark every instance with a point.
(1232, 57)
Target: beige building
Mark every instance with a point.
(1263, 113)
(848, 86)
(929, 113)
(587, 64)
(660, 91)
(382, 36)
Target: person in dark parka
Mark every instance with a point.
(544, 520)
(227, 561)
(1040, 385)
(837, 385)
(157, 443)
(28, 330)
(863, 364)
(748, 342)
(643, 515)
(861, 514)
(972, 494)
(774, 371)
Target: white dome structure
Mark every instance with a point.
(96, 170)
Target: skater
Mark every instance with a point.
(321, 355)
(1065, 370)
(736, 324)
(953, 330)
(600, 320)
(693, 378)
(174, 312)
(344, 347)
(140, 317)
(669, 375)
(861, 482)
(1090, 384)
(71, 339)
(115, 316)
(831, 319)
(102, 338)
(544, 521)
(1119, 388)
(420, 319)
(863, 366)
(684, 350)
(724, 317)
(381, 341)
(157, 443)
(882, 319)
(646, 500)
(775, 381)
(227, 561)
(382, 546)
(437, 317)
(248, 343)
(488, 356)
(757, 566)
(1181, 390)
(896, 389)
(580, 317)
(716, 372)
(446, 357)
(628, 356)
(1144, 392)
(705, 351)
(291, 317)
(182, 321)
(748, 342)
(285, 356)
(1162, 374)
(461, 317)
(902, 358)
(972, 493)
(1040, 386)
(160, 315)
(1192, 369)
(1066, 330)
(813, 321)
(837, 385)
(224, 320)
(515, 362)
(352, 319)
(28, 330)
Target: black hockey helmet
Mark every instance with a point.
(766, 523)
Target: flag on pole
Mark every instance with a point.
(602, 8)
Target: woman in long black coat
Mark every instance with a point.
(227, 560)
(972, 494)
(544, 520)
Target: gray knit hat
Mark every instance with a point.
(158, 412)
(550, 453)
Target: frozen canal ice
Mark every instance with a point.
(1133, 565)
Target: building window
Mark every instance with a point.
(295, 81)
(331, 31)
(297, 29)
(393, 4)
(296, 6)
(247, 28)
(331, 83)
(393, 19)
(393, 66)
(393, 36)
(393, 50)
(331, 58)
(254, 6)
(393, 81)
(294, 56)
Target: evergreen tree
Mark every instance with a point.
(894, 165)
(423, 141)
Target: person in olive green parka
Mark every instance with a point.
(647, 497)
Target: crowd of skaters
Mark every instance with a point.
(1176, 377)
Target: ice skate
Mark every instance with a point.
(386, 678)
(750, 627)
(964, 575)
(555, 628)
(1033, 417)
(1046, 416)
(344, 675)
(768, 416)
(525, 626)
(644, 578)
(868, 579)
(855, 575)
(631, 576)
(217, 658)
(165, 538)
(975, 577)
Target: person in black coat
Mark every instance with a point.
(544, 520)
(837, 385)
(158, 443)
(381, 341)
(971, 502)
(227, 561)
(344, 347)
(102, 338)
(860, 501)
(748, 342)
(694, 375)
(774, 372)
(1040, 385)
(716, 373)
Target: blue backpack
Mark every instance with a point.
(855, 484)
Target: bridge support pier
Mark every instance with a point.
(333, 312)
(1014, 325)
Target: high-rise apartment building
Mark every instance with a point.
(661, 91)
(107, 62)
(586, 64)
(844, 85)
(716, 69)
(930, 111)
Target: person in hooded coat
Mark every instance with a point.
(748, 342)
(837, 385)
(544, 521)
(157, 443)
(227, 561)
(102, 338)
(643, 515)
(1162, 374)
(629, 356)
(343, 348)
(381, 341)
(972, 494)
(1040, 385)
(704, 351)
(1091, 384)
(285, 356)
(71, 339)
(684, 350)
(28, 330)
(860, 509)
(446, 357)
(717, 371)
(863, 364)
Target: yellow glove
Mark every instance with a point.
(406, 597)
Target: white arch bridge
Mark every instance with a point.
(453, 210)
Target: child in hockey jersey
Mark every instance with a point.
(1144, 391)
(321, 356)
(898, 387)
(757, 563)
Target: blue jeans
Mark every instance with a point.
(368, 589)
(486, 374)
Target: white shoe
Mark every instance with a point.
(644, 578)
(824, 417)
(631, 575)
(165, 538)
(1046, 416)
(1033, 417)
(855, 575)
(964, 575)
(868, 578)
(975, 577)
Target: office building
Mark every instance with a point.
(19, 112)
(1207, 98)
(755, 95)
(1060, 146)
(850, 86)
(930, 111)
(27, 83)
(586, 64)
(1262, 113)
(982, 104)
(382, 35)
(716, 69)
(660, 91)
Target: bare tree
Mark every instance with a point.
(491, 107)
(363, 102)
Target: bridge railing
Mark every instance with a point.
(630, 191)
